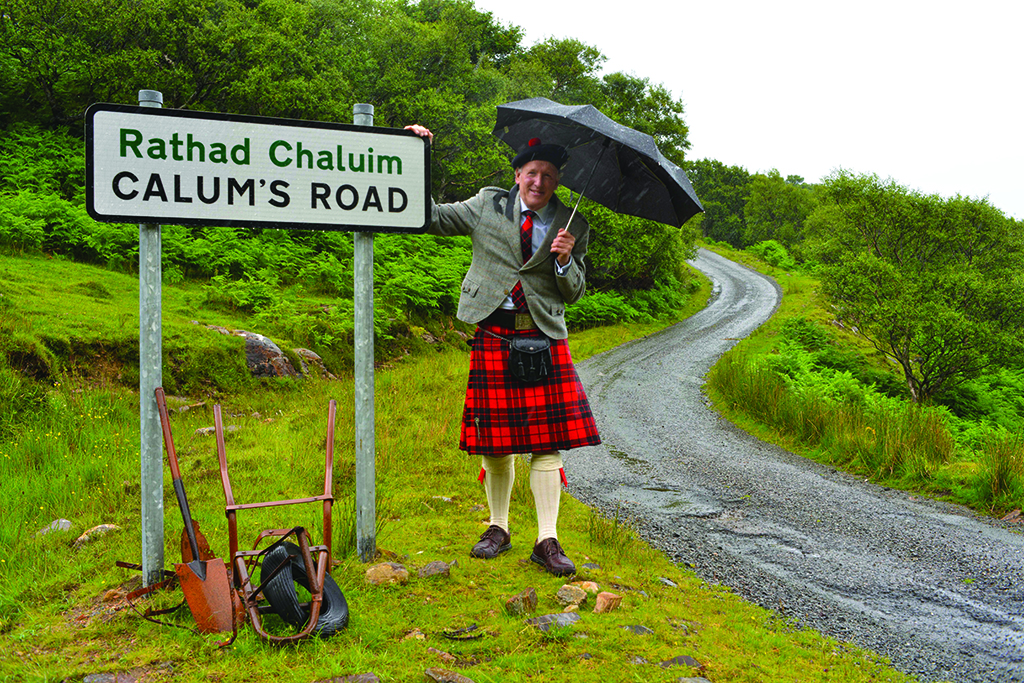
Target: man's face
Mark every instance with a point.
(537, 181)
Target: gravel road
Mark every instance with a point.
(932, 586)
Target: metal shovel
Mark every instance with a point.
(204, 582)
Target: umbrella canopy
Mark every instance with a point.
(611, 164)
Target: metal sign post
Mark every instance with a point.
(150, 377)
(366, 497)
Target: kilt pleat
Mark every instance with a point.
(503, 416)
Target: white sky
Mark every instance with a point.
(930, 94)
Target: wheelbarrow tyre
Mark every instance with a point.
(284, 600)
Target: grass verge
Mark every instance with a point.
(64, 616)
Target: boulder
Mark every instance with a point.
(265, 358)
(435, 568)
(547, 621)
(523, 603)
(94, 532)
(312, 364)
(55, 525)
(607, 602)
(589, 586)
(436, 675)
(387, 573)
(570, 595)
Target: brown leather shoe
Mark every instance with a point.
(549, 554)
(493, 542)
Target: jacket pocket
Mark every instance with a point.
(470, 287)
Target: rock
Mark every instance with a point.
(692, 680)
(312, 364)
(570, 595)
(682, 660)
(445, 657)
(444, 676)
(414, 634)
(55, 525)
(638, 629)
(1014, 516)
(593, 566)
(589, 586)
(523, 603)
(210, 431)
(547, 621)
(122, 677)
(571, 608)
(95, 532)
(354, 678)
(435, 568)
(668, 582)
(264, 357)
(387, 573)
(607, 602)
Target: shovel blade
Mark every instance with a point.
(208, 594)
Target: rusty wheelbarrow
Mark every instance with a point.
(283, 562)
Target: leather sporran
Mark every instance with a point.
(529, 358)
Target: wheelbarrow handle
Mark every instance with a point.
(172, 457)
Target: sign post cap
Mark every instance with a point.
(152, 98)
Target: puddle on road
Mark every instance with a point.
(634, 465)
(662, 500)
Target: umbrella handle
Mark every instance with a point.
(604, 148)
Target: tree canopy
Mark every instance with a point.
(443, 63)
(934, 284)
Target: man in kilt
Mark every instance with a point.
(527, 266)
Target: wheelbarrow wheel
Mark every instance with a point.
(284, 600)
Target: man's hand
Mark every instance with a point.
(562, 245)
(422, 131)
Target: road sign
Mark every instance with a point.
(198, 168)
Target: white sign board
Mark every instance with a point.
(146, 165)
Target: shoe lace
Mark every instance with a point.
(551, 548)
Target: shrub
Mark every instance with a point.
(774, 253)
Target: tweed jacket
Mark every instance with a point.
(492, 219)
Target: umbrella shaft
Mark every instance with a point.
(604, 148)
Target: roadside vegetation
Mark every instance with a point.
(809, 384)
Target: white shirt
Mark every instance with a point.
(541, 224)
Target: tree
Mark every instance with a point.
(571, 67)
(723, 191)
(776, 209)
(635, 102)
(932, 283)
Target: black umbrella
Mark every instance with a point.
(611, 164)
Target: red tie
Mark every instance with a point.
(526, 236)
(526, 244)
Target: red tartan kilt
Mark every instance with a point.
(503, 416)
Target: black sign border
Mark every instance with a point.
(242, 118)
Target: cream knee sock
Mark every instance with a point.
(546, 484)
(501, 474)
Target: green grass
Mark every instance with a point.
(430, 510)
(62, 613)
